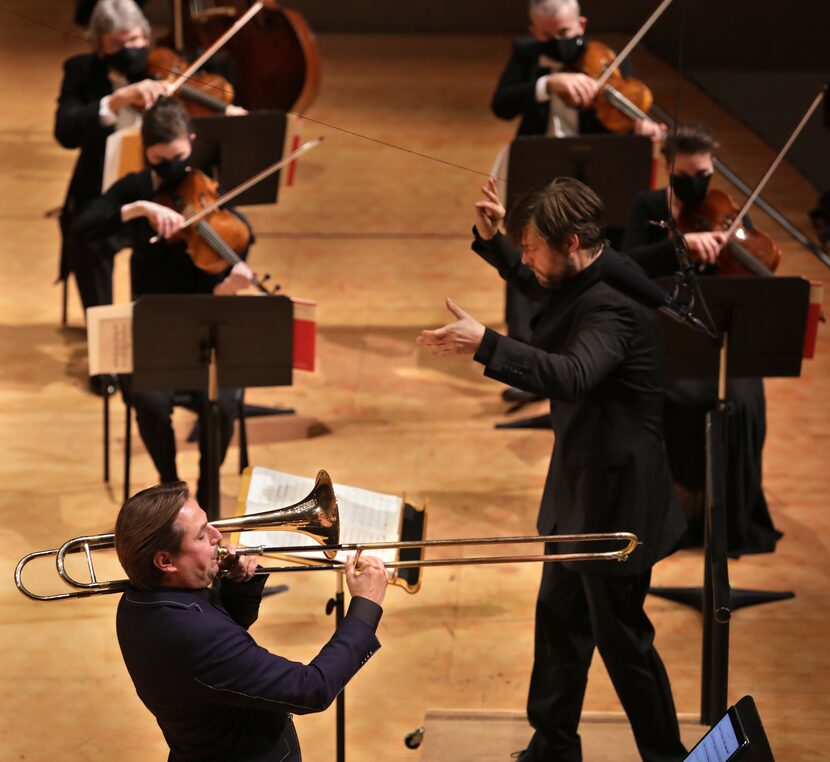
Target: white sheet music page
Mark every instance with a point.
(365, 516)
(109, 331)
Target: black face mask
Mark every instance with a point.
(691, 189)
(566, 50)
(131, 62)
(171, 171)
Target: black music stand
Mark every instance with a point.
(234, 149)
(755, 342)
(761, 343)
(212, 342)
(616, 167)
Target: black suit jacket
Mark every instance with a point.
(215, 693)
(596, 355)
(516, 93)
(77, 124)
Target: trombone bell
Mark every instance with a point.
(316, 516)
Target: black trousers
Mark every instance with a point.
(91, 259)
(576, 612)
(749, 527)
(153, 412)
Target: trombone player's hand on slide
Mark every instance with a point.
(366, 578)
(463, 337)
(238, 568)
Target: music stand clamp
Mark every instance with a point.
(755, 342)
(205, 342)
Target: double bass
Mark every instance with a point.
(275, 60)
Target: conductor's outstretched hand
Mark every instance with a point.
(463, 337)
(367, 578)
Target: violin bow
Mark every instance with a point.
(623, 54)
(202, 59)
(242, 187)
(736, 223)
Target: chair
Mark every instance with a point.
(181, 399)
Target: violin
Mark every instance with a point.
(747, 252)
(216, 241)
(620, 100)
(276, 53)
(203, 94)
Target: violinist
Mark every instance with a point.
(164, 267)
(102, 91)
(542, 77)
(689, 157)
(749, 525)
(97, 87)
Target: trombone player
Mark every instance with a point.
(182, 627)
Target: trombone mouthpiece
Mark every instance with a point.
(254, 550)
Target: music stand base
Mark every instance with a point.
(274, 590)
(739, 597)
(536, 422)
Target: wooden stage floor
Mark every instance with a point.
(379, 237)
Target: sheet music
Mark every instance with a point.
(110, 338)
(365, 516)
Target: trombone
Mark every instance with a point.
(316, 516)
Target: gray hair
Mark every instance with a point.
(552, 7)
(116, 16)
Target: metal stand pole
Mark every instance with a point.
(337, 605)
(213, 433)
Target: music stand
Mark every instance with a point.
(616, 167)
(755, 342)
(237, 148)
(206, 342)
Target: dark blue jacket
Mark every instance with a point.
(215, 693)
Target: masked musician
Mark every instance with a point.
(127, 209)
(102, 91)
(690, 156)
(596, 355)
(543, 68)
(97, 88)
(183, 633)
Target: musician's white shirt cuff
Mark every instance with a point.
(542, 94)
(106, 115)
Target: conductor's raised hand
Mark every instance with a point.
(367, 578)
(463, 337)
(489, 212)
